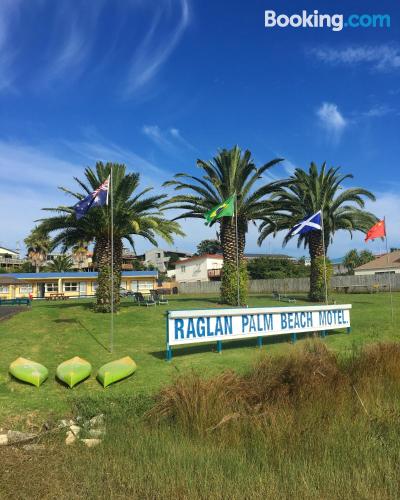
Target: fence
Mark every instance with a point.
(298, 285)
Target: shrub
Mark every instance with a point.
(229, 284)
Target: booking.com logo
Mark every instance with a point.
(334, 21)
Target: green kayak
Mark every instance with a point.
(116, 370)
(73, 371)
(29, 371)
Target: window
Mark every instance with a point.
(158, 256)
(51, 287)
(3, 289)
(183, 269)
(71, 286)
(134, 285)
(146, 285)
(94, 286)
(25, 289)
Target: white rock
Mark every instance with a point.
(17, 437)
(96, 433)
(97, 420)
(71, 438)
(75, 429)
(3, 439)
(91, 442)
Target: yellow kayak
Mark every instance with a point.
(116, 370)
(29, 371)
(73, 371)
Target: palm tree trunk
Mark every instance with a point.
(228, 239)
(102, 251)
(316, 249)
(232, 252)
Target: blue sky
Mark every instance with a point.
(157, 84)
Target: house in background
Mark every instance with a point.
(198, 268)
(81, 262)
(160, 258)
(338, 266)
(384, 264)
(10, 259)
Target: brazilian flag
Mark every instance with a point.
(224, 209)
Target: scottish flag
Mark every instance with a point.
(96, 199)
(310, 223)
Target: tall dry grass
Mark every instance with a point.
(307, 425)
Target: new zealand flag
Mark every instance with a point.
(96, 199)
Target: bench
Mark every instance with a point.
(21, 301)
(282, 297)
(374, 288)
(57, 296)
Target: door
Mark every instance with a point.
(41, 290)
(82, 288)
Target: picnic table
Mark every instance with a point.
(57, 296)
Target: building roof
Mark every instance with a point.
(157, 249)
(204, 256)
(72, 274)
(386, 261)
(9, 250)
(8, 279)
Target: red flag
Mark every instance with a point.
(376, 231)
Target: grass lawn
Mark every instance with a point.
(308, 424)
(50, 333)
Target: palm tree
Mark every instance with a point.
(305, 194)
(60, 264)
(38, 245)
(134, 214)
(231, 171)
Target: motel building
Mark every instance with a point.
(70, 284)
(198, 268)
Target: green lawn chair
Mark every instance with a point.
(142, 301)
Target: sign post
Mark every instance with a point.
(216, 325)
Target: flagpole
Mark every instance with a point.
(237, 254)
(323, 244)
(112, 262)
(387, 261)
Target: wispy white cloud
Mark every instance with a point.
(70, 47)
(70, 57)
(35, 167)
(160, 138)
(62, 52)
(331, 119)
(8, 12)
(154, 49)
(289, 166)
(168, 140)
(384, 57)
(176, 134)
(378, 111)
